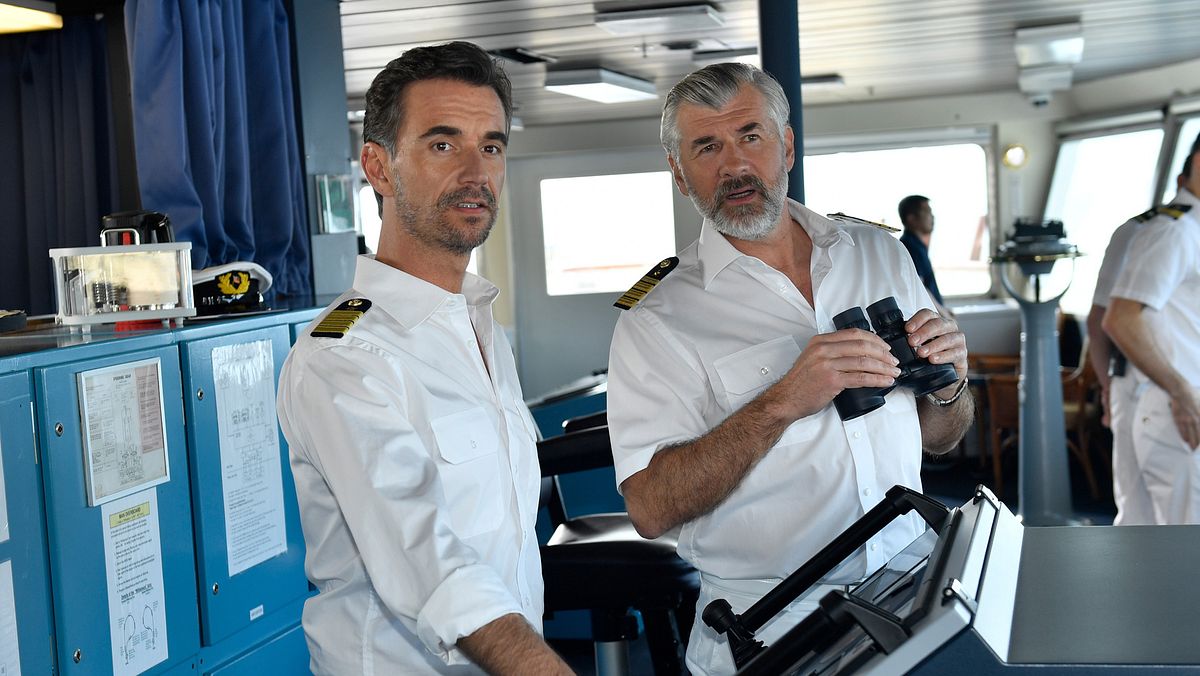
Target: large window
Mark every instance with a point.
(1187, 136)
(1099, 183)
(870, 184)
(601, 232)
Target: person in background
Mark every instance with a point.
(1153, 316)
(414, 456)
(917, 218)
(721, 376)
(1118, 383)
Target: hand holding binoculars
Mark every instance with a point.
(916, 372)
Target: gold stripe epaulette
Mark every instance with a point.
(340, 320)
(648, 281)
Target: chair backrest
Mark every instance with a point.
(993, 363)
(1004, 400)
(585, 422)
(568, 453)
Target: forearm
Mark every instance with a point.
(688, 480)
(508, 645)
(1126, 324)
(942, 427)
(1099, 345)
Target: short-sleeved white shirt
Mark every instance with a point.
(713, 334)
(1162, 271)
(1114, 258)
(417, 476)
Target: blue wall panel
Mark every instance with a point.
(230, 604)
(75, 531)
(25, 547)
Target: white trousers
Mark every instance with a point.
(1170, 470)
(1134, 506)
(708, 653)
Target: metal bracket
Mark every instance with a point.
(954, 590)
(984, 493)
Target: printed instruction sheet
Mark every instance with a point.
(137, 609)
(10, 653)
(124, 431)
(251, 474)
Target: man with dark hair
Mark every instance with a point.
(917, 218)
(725, 364)
(413, 454)
(1153, 316)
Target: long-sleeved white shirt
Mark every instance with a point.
(416, 471)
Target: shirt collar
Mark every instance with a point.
(715, 253)
(411, 300)
(1185, 196)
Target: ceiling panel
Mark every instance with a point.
(882, 48)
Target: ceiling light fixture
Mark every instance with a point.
(601, 85)
(1058, 43)
(660, 20)
(23, 16)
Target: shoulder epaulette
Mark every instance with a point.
(338, 322)
(648, 281)
(1176, 210)
(839, 216)
(1172, 210)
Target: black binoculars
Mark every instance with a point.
(916, 372)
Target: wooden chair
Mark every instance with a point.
(979, 368)
(1004, 415)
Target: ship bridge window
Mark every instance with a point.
(1183, 143)
(602, 231)
(954, 176)
(1099, 182)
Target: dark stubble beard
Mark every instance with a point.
(431, 224)
(747, 221)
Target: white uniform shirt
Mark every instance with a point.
(1162, 271)
(417, 476)
(1114, 259)
(712, 335)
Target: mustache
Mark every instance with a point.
(742, 182)
(483, 196)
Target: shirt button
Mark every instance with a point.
(764, 370)
(873, 548)
(473, 444)
(858, 435)
(867, 492)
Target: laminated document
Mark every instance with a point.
(10, 652)
(137, 608)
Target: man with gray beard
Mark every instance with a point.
(414, 456)
(725, 364)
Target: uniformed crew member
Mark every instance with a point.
(917, 218)
(413, 454)
(721, 376)
(1154, 318)
(1119, 386)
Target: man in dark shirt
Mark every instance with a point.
(917, 217)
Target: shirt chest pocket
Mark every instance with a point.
(745, 374)
(470, 471)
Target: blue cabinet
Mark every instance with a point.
(78, 533)
(249, 546)
(24, 585)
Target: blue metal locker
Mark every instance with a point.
(22, 531)
(76, 531)
(230, 604)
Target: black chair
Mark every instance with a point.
(599, 563)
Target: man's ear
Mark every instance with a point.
(374, 163)
(789, 145)
(677, 174)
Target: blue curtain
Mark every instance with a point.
(57, 166)
(215, 125)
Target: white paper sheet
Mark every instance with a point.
(124, 430)
(3, 507)
(251, 477)
(137, 609)
(10, 653)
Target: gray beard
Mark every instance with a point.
(432, 227)
(748, 222)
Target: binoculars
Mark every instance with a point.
(916, 372)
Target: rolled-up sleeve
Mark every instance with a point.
(349, 406)
(656, 396)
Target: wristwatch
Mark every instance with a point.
(962, 387)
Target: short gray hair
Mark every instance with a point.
(713, 86)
